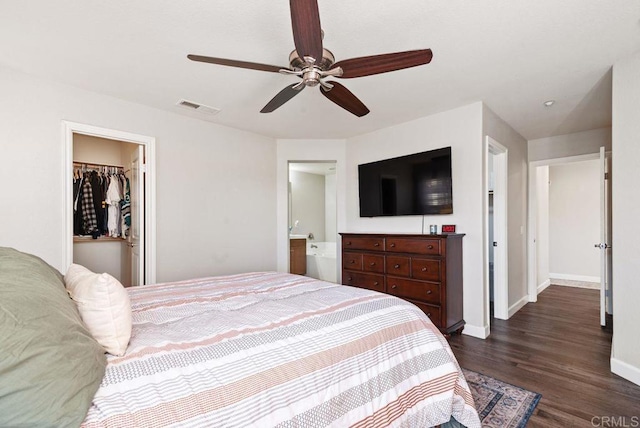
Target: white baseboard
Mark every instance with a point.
(518, 305)
(571, 277)
(625, 370)
(544, 285)
(476, 331)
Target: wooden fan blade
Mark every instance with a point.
(376, 64)
(307, 33)
(282, 97)
(234, 63)
(345, 99)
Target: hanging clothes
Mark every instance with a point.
(113, 203)
(78, 180)
(89, 218)
(98, 201)
(126, 207)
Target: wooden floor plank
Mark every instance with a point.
(556, 347)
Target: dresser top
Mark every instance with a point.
(405, 235)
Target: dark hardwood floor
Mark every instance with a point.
(557, 348)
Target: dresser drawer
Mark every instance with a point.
(424, 291)
(352, 261)
(359, 243)
(412, 245)
(373, 263)
(427, 269)
(369, 281)
(431, 311)
(397, 265)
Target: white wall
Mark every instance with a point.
(517, 176)
(574, 221)
(306, 150)
(626, 212)
(542, 227)
(208, 206)
(579, 143)
(307, 204)
(462, 130)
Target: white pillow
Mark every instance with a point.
(104, 306)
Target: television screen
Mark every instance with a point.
(416, 184)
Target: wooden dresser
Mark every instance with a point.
(425, 270)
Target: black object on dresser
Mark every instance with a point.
(425, 270)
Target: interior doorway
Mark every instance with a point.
(496, 279)
(569, 214)
(121, 238)
(312, 219)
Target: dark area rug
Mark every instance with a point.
(500, 404)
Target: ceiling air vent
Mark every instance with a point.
(200, 108)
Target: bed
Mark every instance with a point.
(260, 349)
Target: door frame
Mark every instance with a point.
(532, 265)
(500, 230)
(70, 128)
(338, 266)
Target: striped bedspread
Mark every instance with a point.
(277, 350)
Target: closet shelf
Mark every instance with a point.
(99, 239)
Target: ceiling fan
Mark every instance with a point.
(312, 62)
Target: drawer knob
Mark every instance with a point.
(429, 314)
(394, 286)
(352, 261)
(348, 243)
(424, 269)
(349, 279)
(375, 283)
(429, 291)
(393, 245)
(372, 264)
(396, 266)
(430, 247)
(377, 244)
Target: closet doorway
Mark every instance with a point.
(110, 217)
(495, 208)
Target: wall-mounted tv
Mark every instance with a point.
(417, 184)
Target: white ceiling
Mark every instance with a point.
(511, 54)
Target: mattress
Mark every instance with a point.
(272, 349)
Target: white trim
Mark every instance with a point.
(543, 286)
(625, 370)
(568, 159)
(68, 129)
(532, 253)
(476, 331)
(571, 277)
(532, 256)
(518, 305)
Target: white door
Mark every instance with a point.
(499, 245)
(136, 233)
(605, 236)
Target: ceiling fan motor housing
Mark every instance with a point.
(312, 71)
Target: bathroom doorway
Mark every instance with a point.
(313, 219)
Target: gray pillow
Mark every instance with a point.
(50, 366)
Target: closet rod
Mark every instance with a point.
(90, 164)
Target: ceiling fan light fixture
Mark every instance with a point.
(549, 103)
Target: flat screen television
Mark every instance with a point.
(417, 184)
